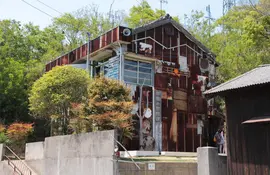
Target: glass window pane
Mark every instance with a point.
(130, 79)
(135, 63)
(145, 70)
(130, 73)
(128, 67)
(146, 81)
(147, 65)
(146, 76)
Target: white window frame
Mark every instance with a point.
(138, 72)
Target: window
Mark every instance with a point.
(137, 72)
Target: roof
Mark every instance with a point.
(257, 76)
(168, 19)
(264, 119)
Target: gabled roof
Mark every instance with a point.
(257, 76)
(166, 20)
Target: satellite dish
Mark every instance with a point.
(204, 64)
(148, 113)
(126, 32)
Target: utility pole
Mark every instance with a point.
(209, 18)
(88, 54)
(228, 5)
(161, 5)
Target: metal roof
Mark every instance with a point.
(257, 76)
(263, 119)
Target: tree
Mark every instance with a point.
(88, 19)
(199, 26)
(240, 46)
(52, 95)
(108, 107)
(24, 50)
(144, 14)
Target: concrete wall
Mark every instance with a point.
(2, 151)
(5, 169)
(82, 154)
(34, 151)
(210, 162)
(160, 168)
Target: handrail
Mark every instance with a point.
(23, 170)
(126, 151)
(14, 166)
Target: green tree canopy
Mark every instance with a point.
(143, 14)
(52, 95)
(240, 39)
(24, 50)
(88, 19)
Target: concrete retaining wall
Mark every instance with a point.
(5, 169)
(34, 151)
(158, 168)
(82, 154)
(210, 162)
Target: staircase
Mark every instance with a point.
(16, 163)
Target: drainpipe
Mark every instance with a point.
(121, 63)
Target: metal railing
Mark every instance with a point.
(16, 163)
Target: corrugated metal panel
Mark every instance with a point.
(260, 75)
(258, 120)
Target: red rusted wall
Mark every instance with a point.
(100, 42)
(188, 140)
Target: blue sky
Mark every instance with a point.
(18, 10)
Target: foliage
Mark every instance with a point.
(79, 123)
(199, 26)
(241, 45)
(3, 136)
(88, 19)
(52, 95)
(108, 107)
(23, 53)
(18, 132)
(144, 14)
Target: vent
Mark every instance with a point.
(204, 64)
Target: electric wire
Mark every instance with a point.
(50, 7)
(37, 8)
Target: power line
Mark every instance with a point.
(37, 9)
(49, 7)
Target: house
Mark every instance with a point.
(247, 100)
(173, 69)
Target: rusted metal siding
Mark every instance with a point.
(248, 145)
(98, 43)
(197, 104)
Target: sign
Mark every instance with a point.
(199, 126)
(183, 63)
(151, 166)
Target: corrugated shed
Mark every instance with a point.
(257, 76)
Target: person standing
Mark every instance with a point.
(219, 139)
